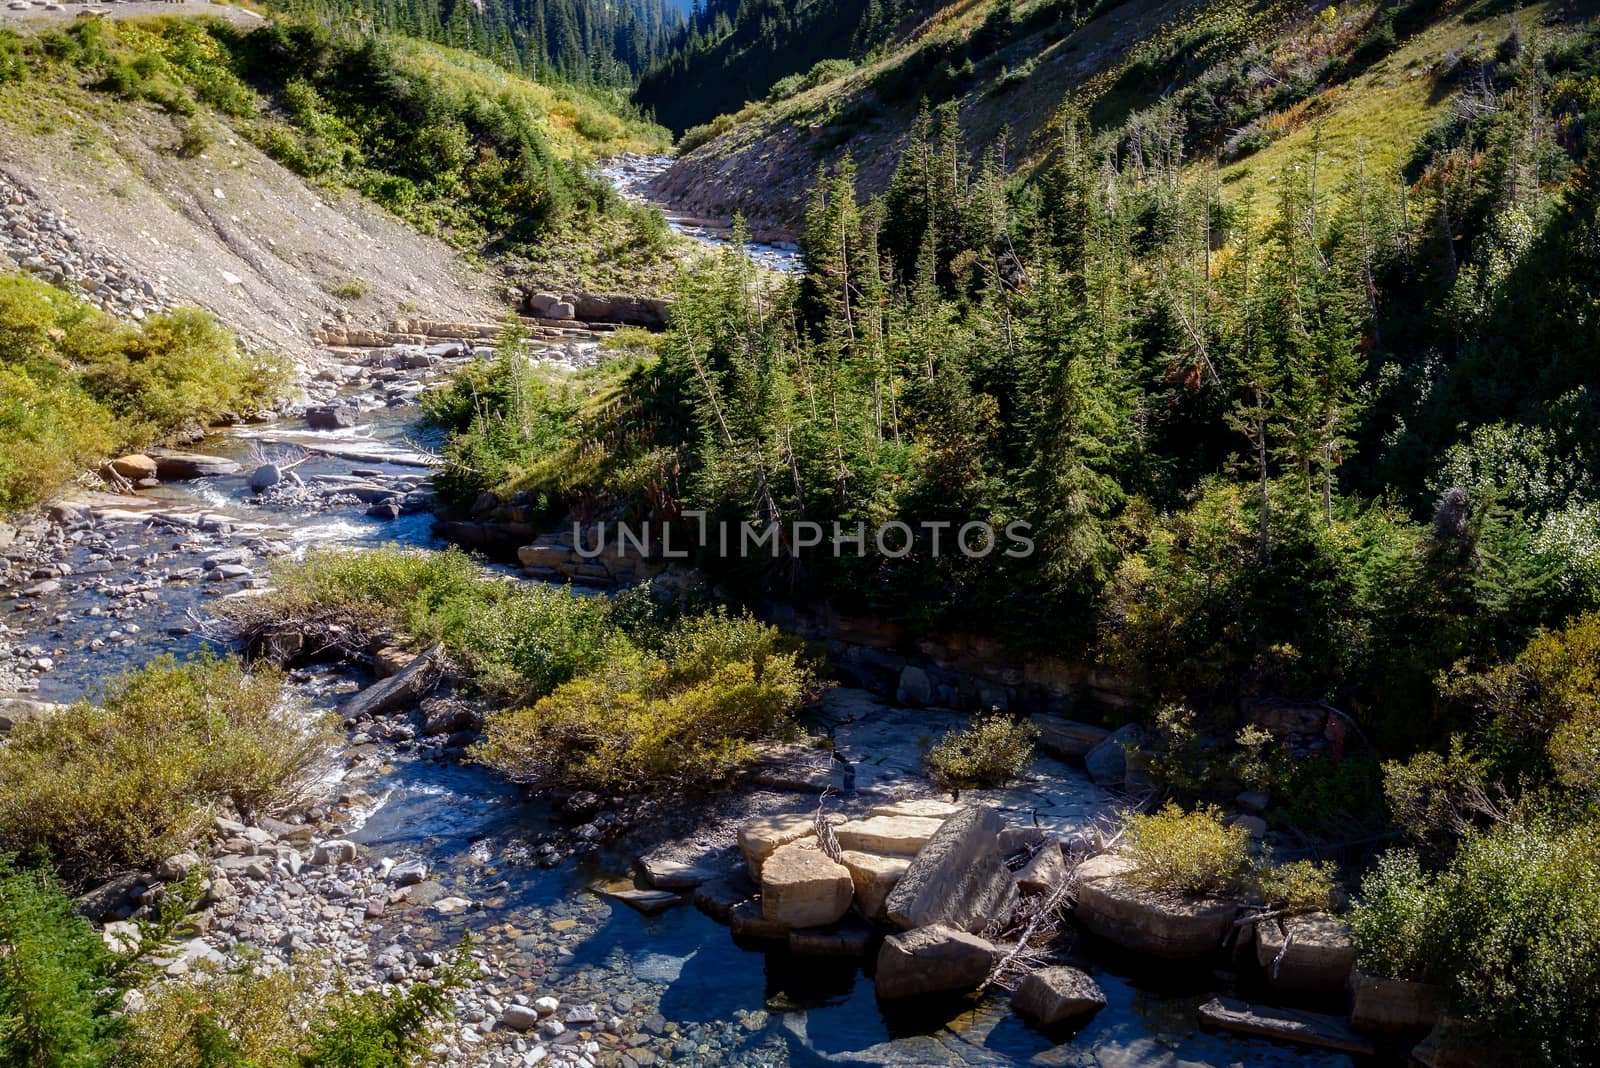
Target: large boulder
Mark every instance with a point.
(959, 879)
(1108, 762)
(758, 838)
(1053, 996)
(896, 835)
(649, 312)
(1380, 1006)
(1065, 737)
(1112, 905)
(801, 886)
(932, 960)
(1319, 957)
(914, 688)
(332, 417)
(174, 466)
(134, 466)
(875, 877)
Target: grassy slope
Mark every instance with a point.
(581, 123)
(763, 165)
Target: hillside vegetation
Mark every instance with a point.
(1216, 80)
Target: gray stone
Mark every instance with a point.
(1065, 737)
(1053, 996)
(1045, 871)
(265, 477)
(520, 1018)
(648, 902)
(959, 879)
(801, 886)
(932, 960)
(332, 417)
(914, 688)
(396, 690)
(334, 851)
(1380, 1006)
(1107, 762)
(174, 466)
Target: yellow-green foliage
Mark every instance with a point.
(1181, 852)
(583, 123)
(1299, 886)
(682, 717)
(76, 384)
(258, 1010)
(136, 778)
(991, 752)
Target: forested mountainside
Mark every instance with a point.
(1240, 84)
(590, 42)
(730, 51)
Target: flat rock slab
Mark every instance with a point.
(719, 897)
(1113, 906)
(801, 886)
(924, 807)
(666, 874)
(892, 835)
(1054, 996)
(932, 960)
(648, 902)
(1286, 1025)
(874, 877)
(959, 879)
(759, 838)
(173, 466)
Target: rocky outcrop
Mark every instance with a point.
(1065, 737)
(1107, 762)
(1113, 906)
(959, 879)
(1053, 996)
(932, 960)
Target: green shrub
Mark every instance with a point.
(57, 993)
(137, 777)
(252, 1016)
(350, 289)
(1510, 928)
(1181, 852)
(1390, 920)
(993, 751)
(684, 717)
(1298, 886)
(193, 139)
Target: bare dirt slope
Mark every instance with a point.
(231, 230)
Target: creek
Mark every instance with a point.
(140, 578)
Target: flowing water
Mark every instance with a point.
(680, 973)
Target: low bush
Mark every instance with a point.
(1298, 886)
(1510, 927)
(136, 778)
(991, 752)
(1180, 852)
(686, 716)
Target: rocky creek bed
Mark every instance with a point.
(406, 847)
